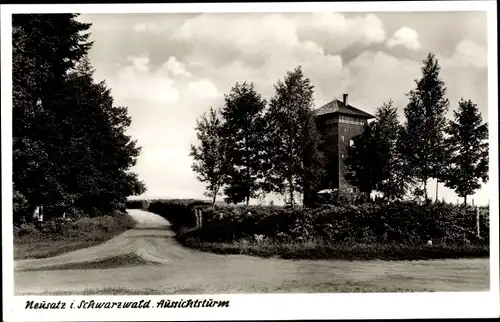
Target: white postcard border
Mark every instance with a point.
(258, 306)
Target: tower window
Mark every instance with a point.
(342, 137)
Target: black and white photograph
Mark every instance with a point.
(162, 159)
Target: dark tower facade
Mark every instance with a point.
(338, 123)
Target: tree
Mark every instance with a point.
(243, 132)
(468, 148)
(45, 48)
(403, 180)
(99, 179)
(363, 162)
(313, 160)
(394, 179)
(70, 150)
(375, 161)
(210, 160)
(423, 141)
(293, 161)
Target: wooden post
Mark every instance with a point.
(199, 216)
(477, 223)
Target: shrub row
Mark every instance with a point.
(406, 223)
(83, 227)
(398, 223)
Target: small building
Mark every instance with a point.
(338, 123)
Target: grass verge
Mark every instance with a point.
(127, 260)
(57, 237)
(317, 250)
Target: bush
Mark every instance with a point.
(26, 229)
(19, 205)
(103, 223)
(336, 197)
(81, 227)
(402, 223)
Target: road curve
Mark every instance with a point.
(159, 262)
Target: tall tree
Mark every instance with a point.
(423, 141)
(394, 179)
(293, 161)
(363, 161)
(70, 149)
(210, 159)
(45, 48)
(100, 178)
(313, 160)
(243, 132)
(468, 145)
(375, 161)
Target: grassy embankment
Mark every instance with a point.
(316, 249)
(59, 236)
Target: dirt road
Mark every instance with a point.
(148, 257)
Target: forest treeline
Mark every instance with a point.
(250, 147)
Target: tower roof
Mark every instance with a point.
(338, 107)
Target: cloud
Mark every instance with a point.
(373, 80)
(405, 37)
(261, 48)
(468, 53)
(376, 77)
(176, 68)
(204, 89)
(150, 27)
(275, 34)
(465, 73)
(135, 79)
(335, 32)
(140, 63)
(142, 27)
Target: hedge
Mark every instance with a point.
(401, 223)
(397, 223)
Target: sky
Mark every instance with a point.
(169, 68)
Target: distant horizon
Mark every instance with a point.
(277, 201)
